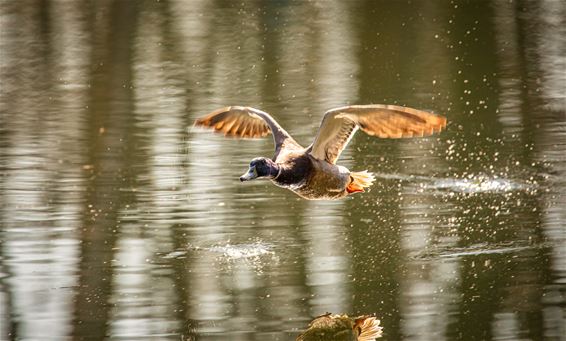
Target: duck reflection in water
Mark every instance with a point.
(312, 172)
(329, 327)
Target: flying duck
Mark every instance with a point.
(312, 172)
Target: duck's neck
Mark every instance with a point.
(291, 174)
(274, 171)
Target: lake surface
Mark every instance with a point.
(120, 220)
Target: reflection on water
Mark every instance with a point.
(120, 221)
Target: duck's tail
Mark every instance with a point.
(368, 328)
(360, 180)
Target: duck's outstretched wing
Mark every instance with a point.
(246, 122)
(385, 121)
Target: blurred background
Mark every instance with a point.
(120, 220)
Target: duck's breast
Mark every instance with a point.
(325, 181)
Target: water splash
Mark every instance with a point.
(241, 251)
(229, 251)
(478, 183)
(476, 250)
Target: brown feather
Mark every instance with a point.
(247, 122)
(367, 328)
(235, 122)
(384, 121)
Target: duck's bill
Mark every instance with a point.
(250, 175)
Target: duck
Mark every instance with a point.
(330, 327)
(312, 172)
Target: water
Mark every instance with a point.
(119, 220)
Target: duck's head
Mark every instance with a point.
(261, 167)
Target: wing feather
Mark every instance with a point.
(385, 121)
(368, 328)
(246, 122)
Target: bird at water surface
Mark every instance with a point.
(330, 327)
(312, 172)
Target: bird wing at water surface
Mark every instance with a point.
(331, 327)
(246, 122)
(367, 328)
(386, 121)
